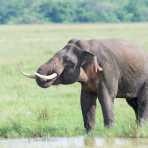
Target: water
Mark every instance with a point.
(75, 142)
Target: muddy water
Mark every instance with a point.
(75, 142)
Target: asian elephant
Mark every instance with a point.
(106, 69)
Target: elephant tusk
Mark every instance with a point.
(35, 75)
(31, 76)
(49, 77)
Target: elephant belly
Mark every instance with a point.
(129, 88)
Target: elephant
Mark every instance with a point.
(106, 69)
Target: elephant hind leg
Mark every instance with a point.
(133, 103)
(143, 104)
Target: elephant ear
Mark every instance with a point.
(87, 58)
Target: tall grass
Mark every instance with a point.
(29, 111)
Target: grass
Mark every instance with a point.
(29, 111)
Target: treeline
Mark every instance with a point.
(72, 11)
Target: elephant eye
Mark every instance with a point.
(68, 63)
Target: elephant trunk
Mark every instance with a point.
(49, 72)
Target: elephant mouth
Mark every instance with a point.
(43, 81)
(46, 83)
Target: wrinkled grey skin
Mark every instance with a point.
(124, 74)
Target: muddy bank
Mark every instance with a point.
(75, 142)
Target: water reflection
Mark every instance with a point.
(92, 142)
(75, 142)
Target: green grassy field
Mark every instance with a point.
(29, 111)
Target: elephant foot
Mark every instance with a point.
(89, 129)
(89, 132)
(109, 125)
(141, 122)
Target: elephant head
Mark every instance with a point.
(66, 66)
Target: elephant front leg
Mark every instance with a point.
(106, 102)
(88, 106)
